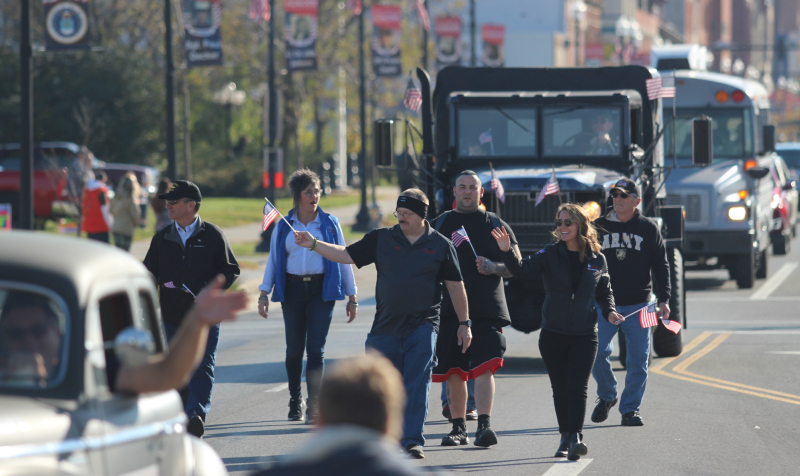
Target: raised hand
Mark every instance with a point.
(503, 239)
(213, 305)
(303, 238)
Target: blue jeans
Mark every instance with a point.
(307, 319)
(638, 347)
(197, 395)
(470, 394)
(415, 357)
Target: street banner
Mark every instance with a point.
(448, 41)
(301, 28)
(66, 24)
(386, 40)
(493, 37)
(202, 41)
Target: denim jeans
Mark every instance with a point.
(638, 348)
(470, 394)
(197, 395)
(307, 319)
(415, 357)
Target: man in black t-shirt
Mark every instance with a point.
(413, 262)
(483, 281)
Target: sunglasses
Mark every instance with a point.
(567, 222)
(621, 195)
(18, 333)
(175, 202)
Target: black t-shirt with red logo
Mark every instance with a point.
(409, 289)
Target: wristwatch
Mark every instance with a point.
(467, 323)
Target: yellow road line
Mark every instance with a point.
(714, 382)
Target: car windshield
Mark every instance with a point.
(579, 131)
(731, 130)
(497, 131)
(33, 327)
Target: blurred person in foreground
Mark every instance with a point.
(360, 418)
(160, 205)
(126, 212)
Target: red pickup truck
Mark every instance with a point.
(51, 197)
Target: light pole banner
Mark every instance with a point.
(66, 24)
(386, 40)
(301, 29)
(493, 37)
(202, 41)
(448, 41)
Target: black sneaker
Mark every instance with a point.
(472, 415)
(296, 407)
(455, 438)
(446, 411)
(415, 451)
(311, 412)
(632, 419)
(485, 437)
(600, 412)
(195, 426)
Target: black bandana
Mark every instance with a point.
(416, 206)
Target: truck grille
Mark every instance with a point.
(532, 225)
(692, 204)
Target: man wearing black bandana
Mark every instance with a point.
(413, 261)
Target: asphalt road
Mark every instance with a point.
(729, 405)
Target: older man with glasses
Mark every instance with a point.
(184, 257)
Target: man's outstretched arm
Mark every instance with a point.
(335, 253)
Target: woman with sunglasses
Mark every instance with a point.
(575, 275)
(307, 286)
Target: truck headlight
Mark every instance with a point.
(737, 213)
(593, 209)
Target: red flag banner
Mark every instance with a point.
(493, 37)
(448, 41)
(386, 40)
(301, 28)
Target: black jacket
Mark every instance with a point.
(565, 311)
(632, 249)
(206, 254)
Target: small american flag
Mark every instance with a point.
(486, 137)
(170, 285)
(355, 6)
(413, 98)
(647, 316)
(550, 188)
(662, 87)
(259, 10)
(424, 19)
(270, 213)
(459, 236)
(183, 288)
(673, 326)
(497, 186)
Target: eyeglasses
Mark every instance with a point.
(567, 222)
(175, 202)
(18, 333)
(312, 193)
(621, 195)
(402, 214)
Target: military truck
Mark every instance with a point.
(529, 123)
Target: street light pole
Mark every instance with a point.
(473, 60)
(425, 40)
(362, 219)
(169, 79)
(273, 105)
(26, 120)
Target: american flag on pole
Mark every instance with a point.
(183, 288)
(662, 87)
(486, 137)
(170, 285)
(647, 316)
(550, 188)
(355, 6)
(459, 236)
(412, 99)
(270, 213)
(497, 186)
(424, 19)
(673, 326)
(259, 10)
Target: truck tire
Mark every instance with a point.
(781, 244)
(745, 270)
(761, 264)
(665, 343)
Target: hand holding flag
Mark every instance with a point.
(497, 187)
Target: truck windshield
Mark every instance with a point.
(576, 131)
(497, 131)
(731, 130)
(43, 159)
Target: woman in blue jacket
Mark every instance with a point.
(307, 286)
(575, 275)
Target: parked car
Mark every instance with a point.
(785, 205)
(58, 409)
(790, 153)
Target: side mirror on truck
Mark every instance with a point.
(757, 172)
(702, 141)
(383, 132)
(768, 134)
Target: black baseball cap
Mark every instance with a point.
(182, 189)
(625, 185)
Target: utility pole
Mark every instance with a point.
(362, 219)
(169, 79)
(273, 105)
(473, 59)
(26, 120)
(425, 41)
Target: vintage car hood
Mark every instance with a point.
(27, 420)
(572, 177)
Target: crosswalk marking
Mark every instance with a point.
(773, 282)
(280, 387)
(568, 468)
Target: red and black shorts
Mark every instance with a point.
(485, 353)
